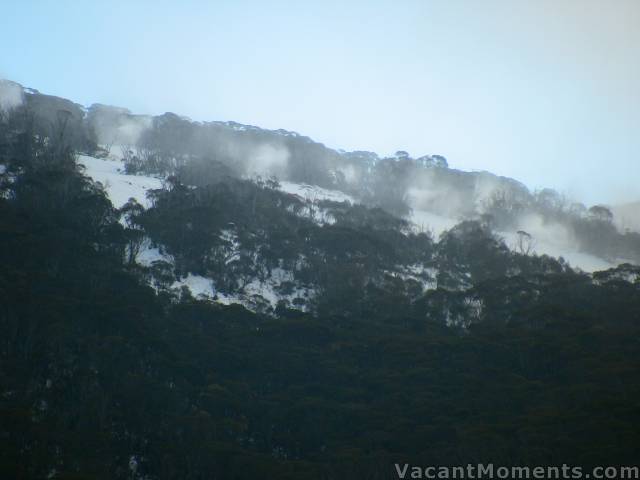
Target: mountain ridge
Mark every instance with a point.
(424, 191)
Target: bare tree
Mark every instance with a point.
(126, 152)
(525, 243)
(109, 144)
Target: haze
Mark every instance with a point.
(542, 91)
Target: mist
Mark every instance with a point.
(117, 126)
(269, 160)
(11, 95)
(426, 190)
(319, 240)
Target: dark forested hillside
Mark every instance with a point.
(107, 373)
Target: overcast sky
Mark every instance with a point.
(545, 91)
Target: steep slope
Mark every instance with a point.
(423, 190)
(119, 186)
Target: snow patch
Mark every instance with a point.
(199, 286)
(119, 186)
(425, 276)
(149, 254)
(312, 196)
(314, 193)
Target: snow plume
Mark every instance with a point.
(129, 130)
(349, 173)
(268, 159)
(553, 239)
(627, 217)
(547, 233)
(11, 95)
(117, 126)
(486, 185)
(453, 194)
(426, 192)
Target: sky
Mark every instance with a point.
(544, 91)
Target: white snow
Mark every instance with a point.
(269, 288)
(314, 193)
(198, 285)
(119, 186)
(231, 239)
(630, 275)
(149, 254)
(418, 272)
(256, 295)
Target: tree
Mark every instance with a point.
(524, 243)
(131, 213)
(601, 213)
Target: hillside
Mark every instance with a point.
(184, 300)
(424, 190)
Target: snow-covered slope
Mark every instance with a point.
(257, 295)
(312, 196)
(314, 193)
(264, 295)
(119, 186)
(546, 239)
(549, 240)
